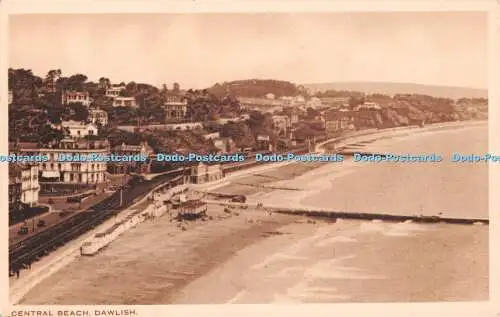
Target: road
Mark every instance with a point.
(60, 204)
(32, 248)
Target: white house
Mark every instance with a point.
(23, 184)
(98, 116)
(79, 129)
(125, 102)
(114, 91)
(212, 136)
(370, 105)
(175, 108)
(69, 97)
(70, 172)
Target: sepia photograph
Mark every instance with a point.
(248, 158)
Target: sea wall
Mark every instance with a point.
(154, 210)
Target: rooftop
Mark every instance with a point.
(133, 148)
(191, 204)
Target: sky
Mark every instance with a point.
(199, 50)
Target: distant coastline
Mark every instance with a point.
(402, 88)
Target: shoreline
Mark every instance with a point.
(252, 230)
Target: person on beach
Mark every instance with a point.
(17, 273)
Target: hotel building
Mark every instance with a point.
(78, 174)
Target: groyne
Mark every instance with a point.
(335, 214)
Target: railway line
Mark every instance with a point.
(31, 249)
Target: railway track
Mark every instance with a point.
(31, 249)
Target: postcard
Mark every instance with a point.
(294, 158)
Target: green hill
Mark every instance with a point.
(256, 88)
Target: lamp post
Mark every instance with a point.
(121, 195)
(121, 189)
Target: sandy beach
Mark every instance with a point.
(250, 256)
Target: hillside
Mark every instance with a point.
(256, 88)
(401, 88)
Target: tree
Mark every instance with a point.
(355, 101)
(81, 112)
(54, 115)
(240, 133)
(305, 131)
(130, 90)
(104, 83)
(53, 74)
(24, 85)
(177, 88)
(76, 82)
(303, 91)
(49, 134)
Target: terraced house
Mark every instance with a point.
(58, 174)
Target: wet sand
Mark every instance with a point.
(152, 262)
(352, 261)
(254, 257)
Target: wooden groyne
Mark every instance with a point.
(269, 187)
(268, 176)
(384, 217)
(333, 214)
